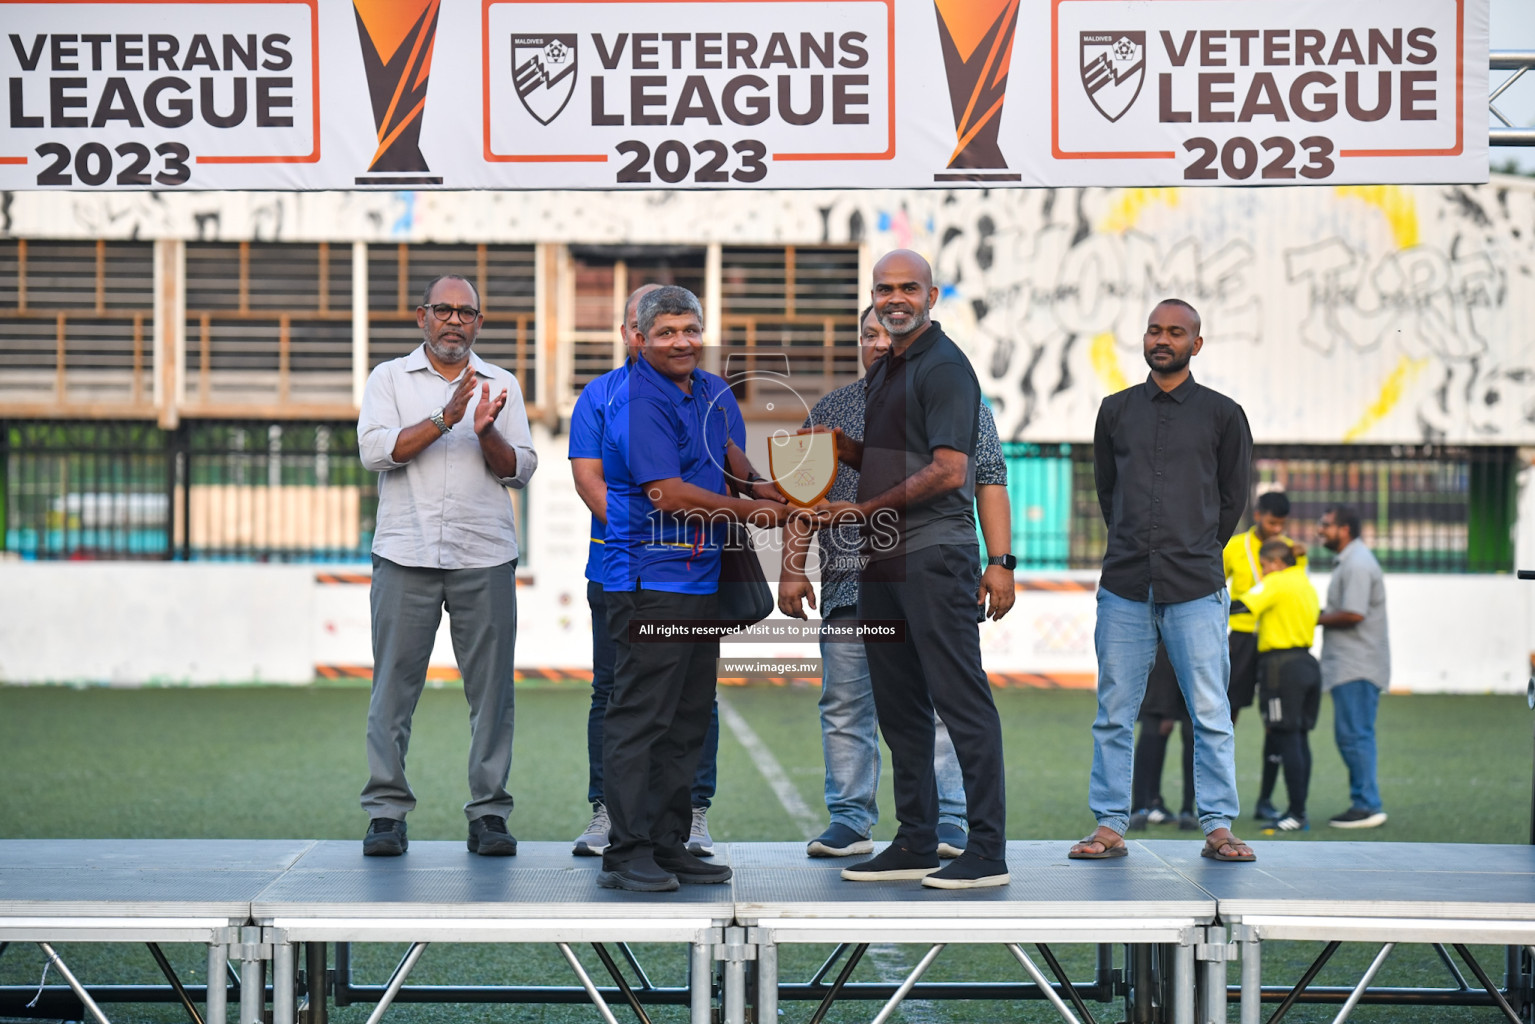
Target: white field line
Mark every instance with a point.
(772, 772)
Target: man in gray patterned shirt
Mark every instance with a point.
(849, 737)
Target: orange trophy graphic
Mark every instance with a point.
(977, 37)
(397, 37)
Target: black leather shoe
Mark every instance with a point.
(488, 837)
(385, 838)
(693, 870)
(639, 876)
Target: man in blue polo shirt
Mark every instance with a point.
(587, 425)
(663, 457)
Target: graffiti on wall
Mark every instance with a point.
(1400, 309)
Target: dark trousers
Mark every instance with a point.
(1290, 696)
(603, 654)
(936, 667)
(654, 729)
(1151, 755)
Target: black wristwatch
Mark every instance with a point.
(1008, 562)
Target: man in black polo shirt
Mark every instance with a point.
(1171, 460)
(916, 499)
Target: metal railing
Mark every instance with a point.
(1504, 132)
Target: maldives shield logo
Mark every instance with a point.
(544, 72)
(1113, 70)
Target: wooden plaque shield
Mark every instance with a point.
(804, 466)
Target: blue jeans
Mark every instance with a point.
(604, 651)
(1194, 633)
(850, 742)
(1353, 725)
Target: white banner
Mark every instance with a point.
(559, 94)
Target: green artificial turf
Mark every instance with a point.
(269, 762)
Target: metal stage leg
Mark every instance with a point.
(216, 1004)
(634, 965)
(284, 983)
(586, 982)
(407, 964)
(836, 986)
(1066, 985)
(1183, 984)
(1252, 974)
(1028, 965)
(74, 983)
(343, 984)
(316, 1008)
(1138, 1008)
(1364, 983)
(252, 991)
(916, 974)
(175, 982)
(1487, 983)
(619, 980)
(1306, 979)
(767, 982)
(734, 951)
(1211, 955)
(1104, 979)
(701, 981)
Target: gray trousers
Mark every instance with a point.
(407, 604)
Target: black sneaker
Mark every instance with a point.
(640, 876)
(1289, 823)
(488, 837)
(691, 869)
(1188, 821)
(839, 840)
(969, 871)
(1357, 817)
(892, 864)
(1138, 821)
(385, 838)
(1265, 811)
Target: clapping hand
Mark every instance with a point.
(454, 410)
(486, 411)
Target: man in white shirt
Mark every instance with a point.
(447, 433)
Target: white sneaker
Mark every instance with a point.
(700, 843)
(594, 840)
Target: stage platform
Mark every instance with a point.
(257, 902)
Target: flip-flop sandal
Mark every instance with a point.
(1109, 851)
(1213, 850)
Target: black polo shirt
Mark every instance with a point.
(1172, 470)
(928, 397)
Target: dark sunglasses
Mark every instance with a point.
(443, 311)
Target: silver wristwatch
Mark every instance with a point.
(436, 418)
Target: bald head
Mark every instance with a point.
(905, 262)
(629, 330)
(903, 294)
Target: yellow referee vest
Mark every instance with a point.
(1240, 558)
(1287, 608)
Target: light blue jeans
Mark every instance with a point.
(850, 743)
(1353, 725)
(1194, 633)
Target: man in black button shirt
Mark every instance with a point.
(1171, 460)
(916, 499)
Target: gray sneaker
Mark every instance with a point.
(594, 840)
(700, 843)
